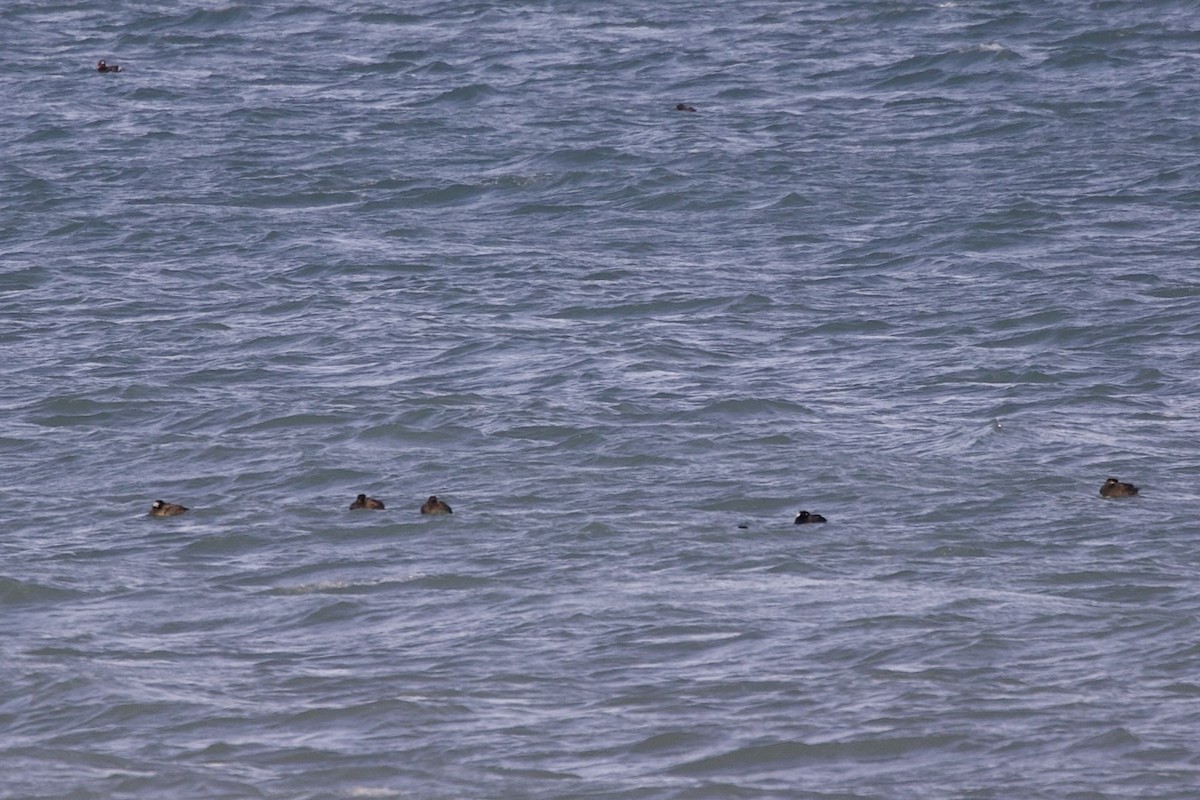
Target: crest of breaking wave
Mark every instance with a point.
(926, 268)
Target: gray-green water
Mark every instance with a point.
(926, 268)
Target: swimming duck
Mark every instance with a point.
(678, 106)
(804, 517)
(435, 506)
(161, 509)
(362, 501)
(104, 67)
(1114, 488)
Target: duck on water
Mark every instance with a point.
(161, 509)
(1115, 488)
(362, 501)
(435, 506)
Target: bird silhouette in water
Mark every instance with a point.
(161, 509)
(435, 506)
(1114, 488)
(362, 501)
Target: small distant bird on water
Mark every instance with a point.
(161, 509)
(804, 517)
(102, 66)
(1114, 488)
(435, 506)
(362, 501)
(678, 106)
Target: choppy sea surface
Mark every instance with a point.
(929, 269)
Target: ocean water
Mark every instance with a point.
(926, 268)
